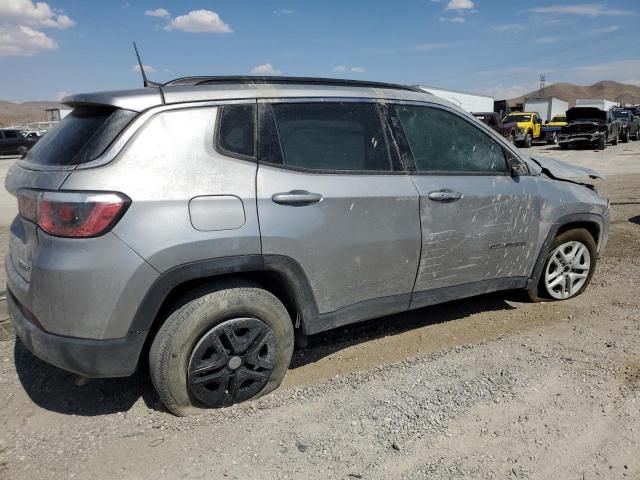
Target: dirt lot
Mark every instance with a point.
(490, 387)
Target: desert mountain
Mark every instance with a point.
(618, 92)
(21, 113)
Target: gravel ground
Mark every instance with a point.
(486, 388)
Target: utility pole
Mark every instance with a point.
(543, 81)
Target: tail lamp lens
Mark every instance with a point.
(72, 214)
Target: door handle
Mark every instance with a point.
(445, 195)
(296, 198)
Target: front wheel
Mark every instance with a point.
(615, 140)
(229, 344)
(528, 140)
(553, 139)
(568, 267)
(602, 143)
(625, 136)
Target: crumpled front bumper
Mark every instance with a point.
(585, 137)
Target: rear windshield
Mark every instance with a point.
(80, 137)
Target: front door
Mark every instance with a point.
(479, 224)
(331, 197)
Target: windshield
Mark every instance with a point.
(620, 114)
(513, 117)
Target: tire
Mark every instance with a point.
(228, 343)
(625, 137)
(22, 151)
(602, 143)
(553, 140)
(542, 292)
(511, 138)
(615, 140)
(564, 146)
(527, 140)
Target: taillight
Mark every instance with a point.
(72, 214)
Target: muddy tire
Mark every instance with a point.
(229, 343)
(568, 268)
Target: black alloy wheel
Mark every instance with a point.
(232, 362)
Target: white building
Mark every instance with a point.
(471, 102)
(57, 114)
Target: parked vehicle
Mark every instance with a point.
(630, 124)
(589, 126)
(507, 130)
(547, 107)
(530, 125)
(13, 143)
(216, 221)
(551, 128)
(600, 103)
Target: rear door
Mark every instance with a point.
(479, 224)
(332, 196)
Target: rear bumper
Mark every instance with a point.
(89, 358)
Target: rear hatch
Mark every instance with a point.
(79, 138)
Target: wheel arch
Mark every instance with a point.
(591, 222)
(280, 275)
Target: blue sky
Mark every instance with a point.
(487, 46)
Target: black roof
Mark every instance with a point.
(275, 80)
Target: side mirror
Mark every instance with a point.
(517, 168)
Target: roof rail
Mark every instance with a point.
(266, 80)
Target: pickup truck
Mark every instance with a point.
(530, 125)
(551, 128)
(589, 126)
(630, 123)
(508, 130)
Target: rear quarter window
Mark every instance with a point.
(80, 137)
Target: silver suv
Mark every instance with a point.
(209, 222)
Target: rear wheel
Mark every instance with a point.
(227, 345)
(527, 140)
(615, 140)
(625, 136)
(568, 267)
(553, 139)
(511, 138)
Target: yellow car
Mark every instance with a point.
(552, 127)
(530, 124)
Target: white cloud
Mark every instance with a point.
(23, 41)
(147, 68)
(547, 39)
(283, 11)
(460, 5)
(627, 71)
(508, 27)
(585, 10)
(158, 12)
(357, 69)
(38, 15)
(20, 25)
(428, 47)
(340, 69)
(265, 69)
(452, 19)
(60, 95)
(199, 21)
(610, 29)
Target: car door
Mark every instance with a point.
(2, 142)
(333, 198)
(479, 223)
(12, 141)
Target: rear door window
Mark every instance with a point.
(441, 141)
(237, 130)
(331, 136)
(80, 137)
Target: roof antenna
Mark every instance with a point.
(146, 82)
